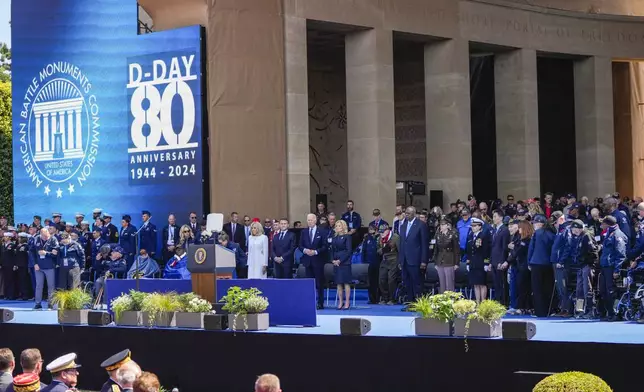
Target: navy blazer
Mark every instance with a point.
(238, 237)
(540, 249)
(285, 247)
(319, 244)
(414, 247)
(499, 245)
(341, 249)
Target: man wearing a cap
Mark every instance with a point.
(96, 214)
(71, 257)
(79, 221)
(111, 366)
(539, 254)
(377, 220)
(148, 235)
(64, 374)
(112, 231)
(478, 258)
(582, 253)
(56, 218)
(570, 199)
(37, 222)
(612, 258)
(610, 207)
(25, 382)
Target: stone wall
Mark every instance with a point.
(615, 7)
(328, 128)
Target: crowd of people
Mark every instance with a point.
(122, 372)
(526, 251)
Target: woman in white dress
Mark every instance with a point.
(257, 252)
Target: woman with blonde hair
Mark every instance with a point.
(257, 252)
(186, 237)
(341, 259)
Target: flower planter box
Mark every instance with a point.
(431, 327)
(73, 316)
(477, 329)
(249, 322)
(130, 319)
(163, 319)
(189, 320)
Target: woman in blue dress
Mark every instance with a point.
(341, 259)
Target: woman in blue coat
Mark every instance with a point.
(478, 259)
(341, 259)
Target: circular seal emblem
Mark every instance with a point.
(61, 129)
(200, 256)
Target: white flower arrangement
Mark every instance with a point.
(120, 304)
(255, 305)
(198, 305)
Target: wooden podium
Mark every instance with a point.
(207, 263)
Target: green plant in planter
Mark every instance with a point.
(192, 303)
(488, 312)
(75, 299)
(572, 382)
(439, 306)
(137, 299)
(464, 307)
(156, 304)
(120, 304)
(242, 302)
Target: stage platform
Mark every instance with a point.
(389, 358)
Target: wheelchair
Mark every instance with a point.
(630, 305)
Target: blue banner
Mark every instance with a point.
(104, 117)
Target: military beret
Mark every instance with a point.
(26, 382)
(577, 224)
(609, 219)
(117, 360)
(539, 218)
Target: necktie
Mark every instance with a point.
(311, 234)
(281, 236)
(408, 228)
(233, 229)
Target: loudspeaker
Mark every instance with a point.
(354, 326)
(215, 322)
(518, 330)
(435, 199)
(98, 317)
(7, 315)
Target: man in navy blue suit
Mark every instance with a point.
(283, 251)
(313, 246)
(413, 252)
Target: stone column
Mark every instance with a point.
(370, 120)
(594, 128)
(297, 119)
(447, 111)
(517, 124)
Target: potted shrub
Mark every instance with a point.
(436, 313)
(247, 307)
(73, 306)
(463, 308)
(486, 321)
(572, 381)
(127, 308)
(158, 309)
(193, 309)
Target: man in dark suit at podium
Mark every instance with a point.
(283, 251)
(235, 231)
(313, 246)
(413, 252)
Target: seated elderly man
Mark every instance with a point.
(177, 267)
(113, 263)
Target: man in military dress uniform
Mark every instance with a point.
(112, 365)
(64, 374)
(148, 235)
(79, 221)
(113, 232)
(127, 240)
(25, 382)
